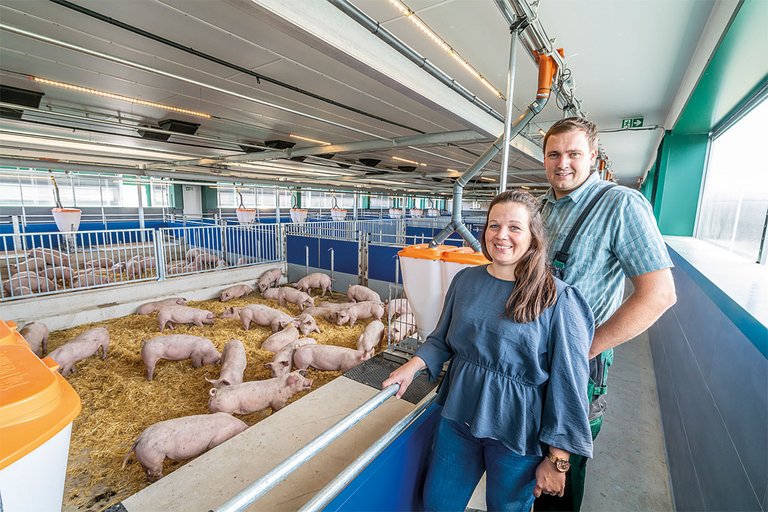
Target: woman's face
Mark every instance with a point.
(508, 234)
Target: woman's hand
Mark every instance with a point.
(404, 375)
(549, 480)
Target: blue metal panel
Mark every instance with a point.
(296, 250)
(382, 263)
(393, 481)
(346, 255)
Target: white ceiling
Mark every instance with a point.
(627, 58)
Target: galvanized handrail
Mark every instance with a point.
(334, 487)
(261, 486)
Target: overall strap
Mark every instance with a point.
(561, 256)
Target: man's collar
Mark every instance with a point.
(577, 194)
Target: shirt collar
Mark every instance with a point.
(577, 194)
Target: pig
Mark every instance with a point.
(169, 316)
(360, 293)
(151, 307)
(137, 266)
(281, 338)
(398, 307)
(371, 337)
(36, 283)
(327, 357)
(281, 363)
(208, 259)
(336, 306)
(235, 292)
(89, 278)
(261, 315)
(36, 335)
(269, 278)
(99, 262)
(192, 254)
(322, 312)
(34, 265)
(316, 280)
(270, 293)
(306, 324)
(118, 268)
(232, 366)
(80, 347)
(255, 396)
(401, 328)
(179, 268)
(58, 273)
(177, 347)
(51, 256)
(359, 311)
(182, 438)
(297, 297)
(19, 291)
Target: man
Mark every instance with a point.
(618, 239)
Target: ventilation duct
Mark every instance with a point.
(406, 168)
(153, 135)
(176, 126)
(250, 147)
(279, 144)
(22, 97)
(369, 162)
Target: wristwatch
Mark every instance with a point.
(562, 465)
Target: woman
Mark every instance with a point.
(512, 396)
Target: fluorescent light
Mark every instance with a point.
(119, 97)
(408, 161)
(309, 140)
(524, 187)
(439, 41)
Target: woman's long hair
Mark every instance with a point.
(534, 285)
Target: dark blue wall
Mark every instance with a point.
(712, 377)
(393, 481)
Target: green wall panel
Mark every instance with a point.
(210, 199)
(679, 183)
(737, 66)
(177, 197)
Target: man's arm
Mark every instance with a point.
(654, 293)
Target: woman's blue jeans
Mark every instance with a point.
(457, 463)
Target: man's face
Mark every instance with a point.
(567, 159)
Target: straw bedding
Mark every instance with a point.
(118, 403)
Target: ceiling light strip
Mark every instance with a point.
(308, 139)
(440, 42)
(118, 97)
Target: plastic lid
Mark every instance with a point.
(36, 403)
(425, 252)
(465, 257)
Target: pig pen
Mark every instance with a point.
(119, 403)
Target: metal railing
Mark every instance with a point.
(34, 264)
(280, 472)
(347, 229)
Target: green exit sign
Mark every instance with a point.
(632, 122)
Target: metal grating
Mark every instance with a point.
(375, 370)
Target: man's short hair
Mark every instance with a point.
(570, 124)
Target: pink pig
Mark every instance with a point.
(36, 335)
(316, 280)
(269, 278)
(80, 347)
(327, 357)
(182, 438)
(151, 307)
(235, 292)
(371, 337)
(255, 396)
(398, 307)
(281, 363)
(232, 366)
(360, 293)
(169, 316)
(359, 311)
(281, 338)
(297, 297)
(177, 347)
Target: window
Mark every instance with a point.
(734, 206)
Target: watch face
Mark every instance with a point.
(562, 465)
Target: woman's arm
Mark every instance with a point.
(548, 479)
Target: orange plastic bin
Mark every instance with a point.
(37, 407)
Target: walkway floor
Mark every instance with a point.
(629, 471)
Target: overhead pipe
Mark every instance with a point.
(376, 29)
(547, 70)
(514, 33)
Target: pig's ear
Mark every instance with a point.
(292, 379)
